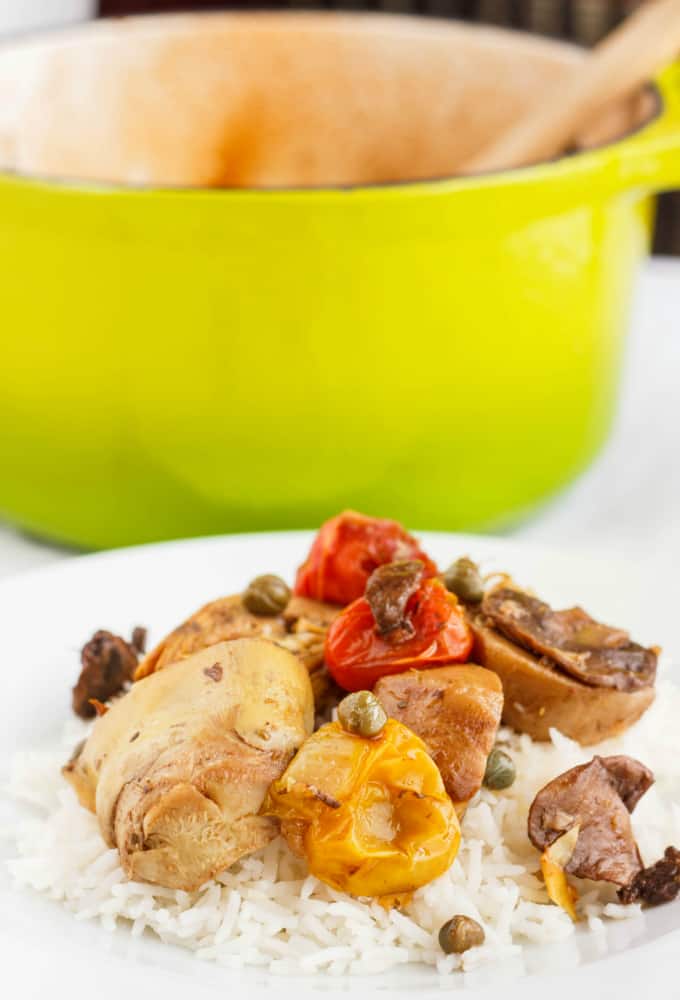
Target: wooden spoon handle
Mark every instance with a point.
(618, 66)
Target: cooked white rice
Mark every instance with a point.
(268, 911)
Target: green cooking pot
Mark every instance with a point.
(199, 336)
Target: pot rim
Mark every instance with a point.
(581, 161)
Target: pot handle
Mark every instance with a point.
(649, 161)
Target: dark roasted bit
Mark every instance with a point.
(587, 650)
(327, 694)
(500, 770)
(460, 934)
(214, 672)
(599, 797)
(660, 883)
(138, 641)
(464, 580)
(456, 711)
(266, 595)
(388, 590)
(108, 663)
(362, 714)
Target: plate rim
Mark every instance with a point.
(623, 969)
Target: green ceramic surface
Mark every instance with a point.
(447, 353)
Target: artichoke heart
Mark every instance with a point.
(177, 770)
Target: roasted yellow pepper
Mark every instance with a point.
(553, 862)
(371, 816)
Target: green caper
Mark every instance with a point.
(266, 595)
(500, 770)
(464, 580)
(460, 934)
(362, 714)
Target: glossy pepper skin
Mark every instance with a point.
(345, 552)
(370, 815)
(357, 656)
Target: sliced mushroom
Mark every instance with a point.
(455, 711)
(301, 628)
(540, 696)
(178, 768)
(598, 798)
(587, 650)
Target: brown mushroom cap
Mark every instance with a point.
(595, 654)
(599, 796)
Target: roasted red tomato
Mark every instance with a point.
(357, 655)
(346, 551)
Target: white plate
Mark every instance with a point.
(45, 616)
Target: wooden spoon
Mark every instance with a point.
(616, 68)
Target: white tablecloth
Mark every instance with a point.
(628, 503)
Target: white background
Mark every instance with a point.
(629, 501)
(22, 15)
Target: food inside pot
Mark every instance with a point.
(272, 100)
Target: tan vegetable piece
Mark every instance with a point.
(178, 768)
(539, 696)
(456, 711)
(301, 628)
